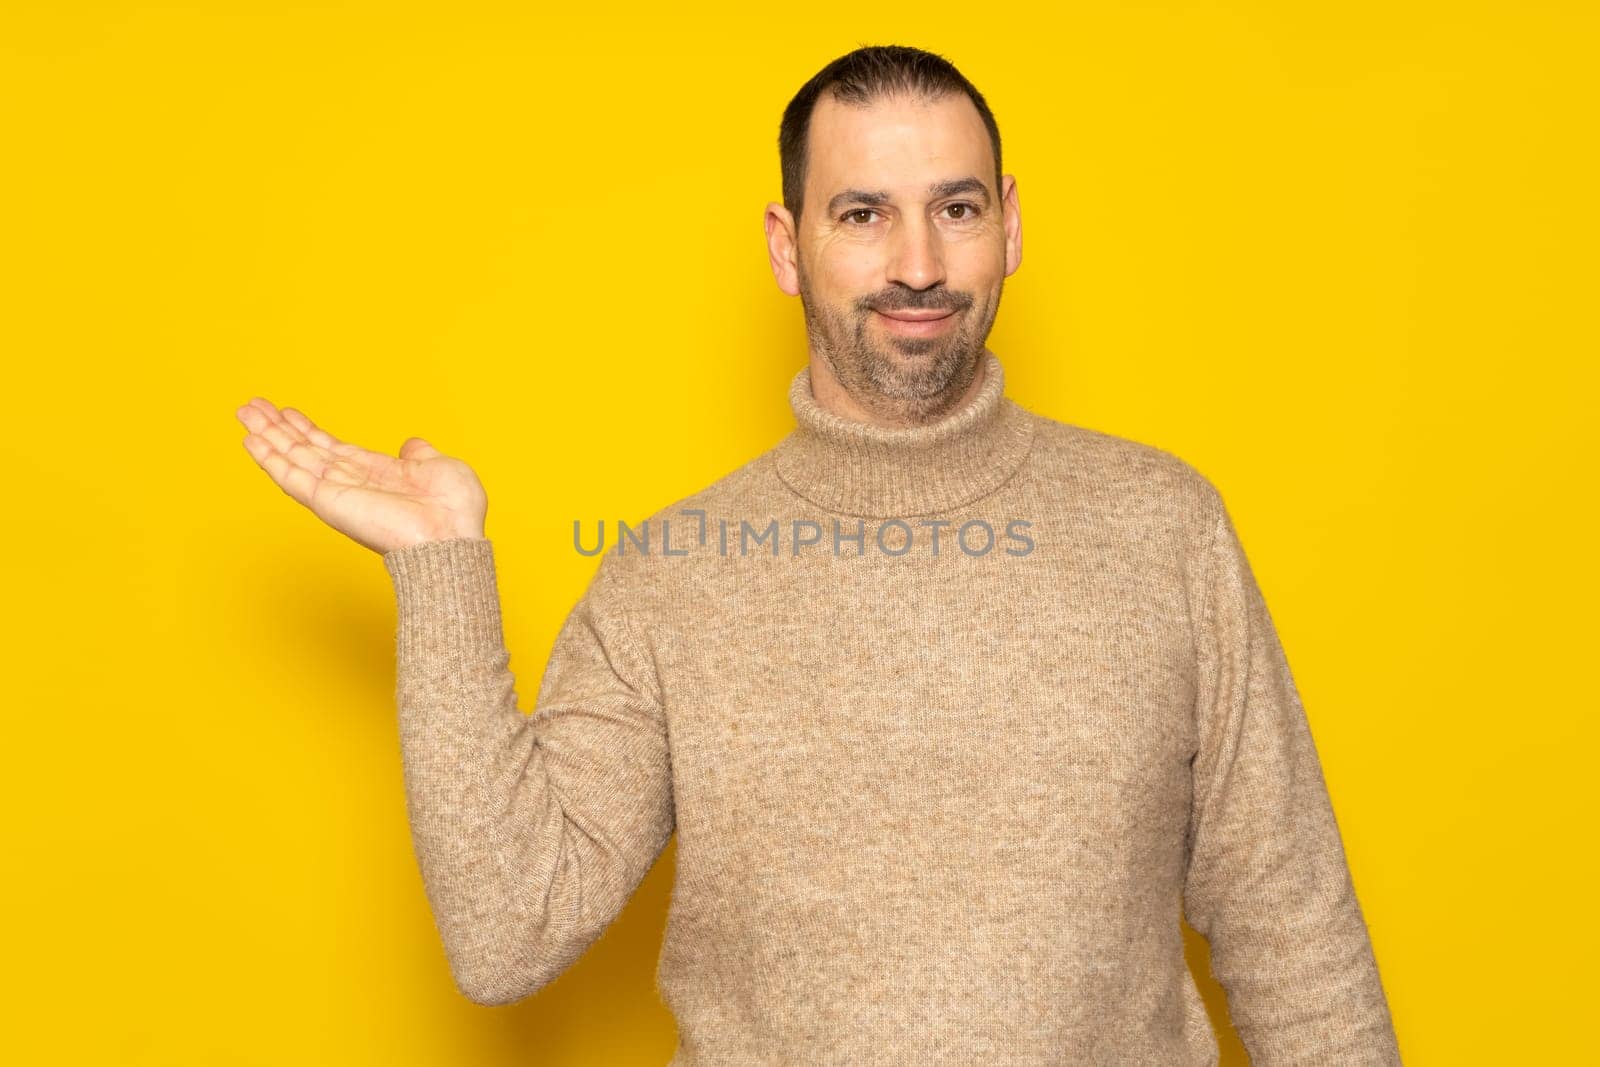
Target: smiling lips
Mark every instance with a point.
(917, 322)
(916, 314)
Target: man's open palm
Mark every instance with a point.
(383, 502)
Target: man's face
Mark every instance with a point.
(903, 247)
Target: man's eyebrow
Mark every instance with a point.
(879, 197)
(857, 196)
(958, 186)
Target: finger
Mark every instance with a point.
(287, 438)
(254, 417)
(253, 411)
(260, 413)
(292, 478)
(313, 433)
(417, 448)
(268, 439)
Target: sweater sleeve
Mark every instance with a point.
(1267, 882)
(531, 831)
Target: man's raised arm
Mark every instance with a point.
(531, 832)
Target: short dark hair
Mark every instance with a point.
(860, 78)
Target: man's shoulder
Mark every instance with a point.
(691, 527)
(1122, 471)
(747, 489)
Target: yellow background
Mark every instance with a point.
(1340, 257)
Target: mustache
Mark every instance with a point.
(915, 300)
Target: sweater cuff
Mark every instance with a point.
(447, 598)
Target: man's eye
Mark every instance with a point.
(850, 215)
(967, 210)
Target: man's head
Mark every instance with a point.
(894, 206)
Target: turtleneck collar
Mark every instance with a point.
(858, 468)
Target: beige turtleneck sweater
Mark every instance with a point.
(934, 804)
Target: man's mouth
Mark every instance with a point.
(916, 314)
(917, 322)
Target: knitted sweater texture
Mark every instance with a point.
(952, 724)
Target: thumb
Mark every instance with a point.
(417, 448)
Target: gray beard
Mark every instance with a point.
(919, 380)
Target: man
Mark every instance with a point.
(951, 705)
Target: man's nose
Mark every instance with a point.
(916, 256)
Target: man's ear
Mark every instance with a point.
(1013, 222)
(783, 248)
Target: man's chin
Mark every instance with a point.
(915, 375)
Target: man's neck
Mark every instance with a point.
(833, 396)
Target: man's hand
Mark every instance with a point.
(382, 502)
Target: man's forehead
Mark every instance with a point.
(897, 143)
